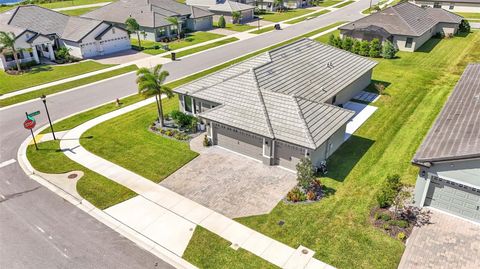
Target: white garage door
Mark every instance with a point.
(454, 198)
(89, 50)
(115, 45)
(288, 155)
(239, 141)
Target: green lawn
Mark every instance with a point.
(237, 27)
(338, 227)
(468, 15)
(60, 4)
(65, 86)
(345, 4)
(327, 3)
(46, 73)
(308, 17)
(121, 139)
(190, 39)
(97, 189)
(285, 15)
(217, 244)
(78, 11)
(324, 38)
(204, 47)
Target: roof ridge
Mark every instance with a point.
(300, 114)
(400, 16)
(262, 101)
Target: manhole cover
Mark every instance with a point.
(72, 176)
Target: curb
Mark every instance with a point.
(141, 241)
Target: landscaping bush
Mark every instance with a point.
(388, 193)
(305, 173)
(356, 46)
(399, 223)
(347, 44)
(401, 236)
(389, 51)
(221, 22)
(364, 48)
(464, 26)
(184, 120)
(332, 40)
(296, 195)
(375, 48)
(206, 141)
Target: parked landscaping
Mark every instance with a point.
(308, 17)
(419, 84)
(95, 188)
(284, 15)
(65, 86)
(42, 74)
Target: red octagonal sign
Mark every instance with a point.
(29, 124)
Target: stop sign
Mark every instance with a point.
(29, 124)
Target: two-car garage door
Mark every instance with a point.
(239, 141)
(454, 198)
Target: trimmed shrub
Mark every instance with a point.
(464, 26)
(375, 48)
(401, 236)
(347, 43)
(390, 190)
(399, 223)
(221, 22)
(296, 195)
(364, 48)
(332, 40)
(385, 217)
(356, 46)
(206, 142)
(389, 51)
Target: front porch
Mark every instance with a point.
(28, 53)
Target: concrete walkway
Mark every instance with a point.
(169, 218)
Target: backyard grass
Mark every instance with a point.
(65, 86)
(95, 188)
(263, 30)
(159, 156)
(285, 15)
(189, 40)
(308, 17)
(78, 11)
(217, 244)
(42, 74)
(204, 47)
(338, 227)
(61, 4)
(468, 15)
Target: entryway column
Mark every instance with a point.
(35, 55)
(50, 52)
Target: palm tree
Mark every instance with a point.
(279, 4)
(236, 16)
(178, 23)
(7, 43)
(134, 27)
(150, 82)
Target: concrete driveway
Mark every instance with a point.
(122, 57)
(229, 183)
(449, 242)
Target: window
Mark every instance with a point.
(188, 103)
(409, 42)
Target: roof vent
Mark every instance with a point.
(330, 65)
(270, 72)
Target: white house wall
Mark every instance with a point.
(354, 88)
(329, 147)
(200, 24)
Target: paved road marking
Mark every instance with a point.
(5, 163)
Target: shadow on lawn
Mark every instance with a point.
(429, 45)
(40, 68)
(347, 156)
(378, 87)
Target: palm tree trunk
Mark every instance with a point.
(15, 57)
(159, 110)
(139, 43)
(179, 27)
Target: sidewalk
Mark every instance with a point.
(169, 218)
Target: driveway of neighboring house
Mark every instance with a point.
(229, 183)
(122, 57)
(449, 242)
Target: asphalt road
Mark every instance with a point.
(38, 229)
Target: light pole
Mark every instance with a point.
(44, 100)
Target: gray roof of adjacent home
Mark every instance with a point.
(405, 19)
(452, 1)
(456, 131)
(249, 99)
(47, 22)
(148, 13)
(230, 6)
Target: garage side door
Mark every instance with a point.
(454, 198)
(288, 155)
(239, 141)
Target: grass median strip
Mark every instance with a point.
(65, 86)
(312, 16)
(263, 30)
(95, 188)
(184, 53)
(345, 4)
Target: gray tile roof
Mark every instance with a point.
(456, 131)
(452, 1)
(47, 22)
(249, 101)
(230, 6)
(151, 13)
(405, 19)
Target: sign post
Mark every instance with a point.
(30, 123)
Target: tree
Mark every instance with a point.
(134, 27)
(356, 46)
(150, 82)
(347, 43)
(279, 4)
(464, 26)
(375, 48)
(236, 16)
(7, 43)
(364, 48)
(178, 23)
(389, 50)
(332, 40)
(221, 22)
(305, 173)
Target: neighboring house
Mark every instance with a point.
(406, 25)
(152, 16)
(283, 105)
(452, 5)
(449, 157)
(225, 8)
(41, 31)
(269, 5)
